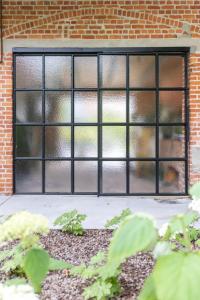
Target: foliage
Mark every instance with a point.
(115, 222)
(136, 233)
(194, 191)
(71, 222)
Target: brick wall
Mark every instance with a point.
(95, 20)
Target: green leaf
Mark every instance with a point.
(36, 266)
(118, 219)
(177, 277)
(57, 264)
(137, 233)
(148, 292)
(194, 191)
(71, 222)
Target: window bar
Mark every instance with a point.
(187, 124)
(127, 127)
(157, 122)
(43, 126)
(99, 128)
(14, 120)
(72, 127)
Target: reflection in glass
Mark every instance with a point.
(142, 106)
(114, 141)
(85, 141)
(171, 141)
(171, 106)
(58, 72)
(85, 173)
(171, 71)
(28, 141)
(58, 176)
(142, 141)
(29, 72)
(142, 71)
(57, 141)
(85, 71)
(114, 106)
(58, 107)
(172, 177)
(28, 176)
(28, 107)
(85, 107)
(142, 177)
(114, 176)
(113, 71)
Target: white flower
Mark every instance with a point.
(17, 292)
(195, 205)
(23, 225)
(163, 229)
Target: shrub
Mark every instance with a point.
(71, 222)
(115, 222)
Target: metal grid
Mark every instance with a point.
(97, 52)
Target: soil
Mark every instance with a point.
(59, 285)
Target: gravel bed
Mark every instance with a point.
(76, 250)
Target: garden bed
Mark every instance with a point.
(60, 285)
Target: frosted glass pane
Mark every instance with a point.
(28, 141)
(85, 72)
(142, 106)
(172, 106)
(58, 72)
(114, 176)
(114, 141)
(58, 141)
(58, 176)
(28, 174)
(58, 107)
(85, 176)
(142, 141)
(28, 107)
(142, 71)
(142, 177)
(171, 141)
(171, 71)
(114, 106)
(113, 71)
(85, 107)
(85, 144)
(172, 177)
(29, 72)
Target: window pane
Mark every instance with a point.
(142, 71)
(172, 106)
(85, 143)
(171, 71)
(29, 72)
(28, 107)
(142, 106)
(85, 72)
(114, 141)
(172, 141)
(85, 176)
(113, 71)
(114, 176)
(28, 174)
(114, 106)
(172, 177)
(28, 141)
(142, 141)
(85, 107)
(58, 141)
(58, 72)
(142, 177)
(58, 107)
(58, 176)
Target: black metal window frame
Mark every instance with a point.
(97, 52)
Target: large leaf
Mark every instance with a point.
(36, 266)
(57, 264)
(137, 233)
(194, 191)
(177, 277)
(148, 291)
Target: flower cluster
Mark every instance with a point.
(22, 226)
(17, 292)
